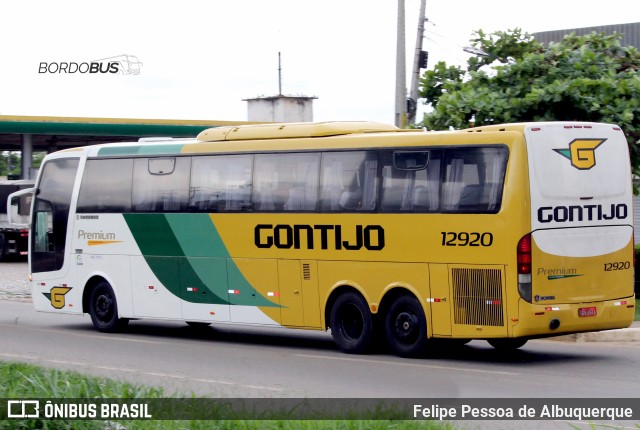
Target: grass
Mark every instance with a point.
(24, 381)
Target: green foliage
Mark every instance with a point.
(24, 381)
(501, 46)
(582, 78)
(11, 162)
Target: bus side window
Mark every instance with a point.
(474, 179)
(286, 182)
(220, 183)
(349, 181)
(411, 181)
(106, 186)
(453, 184)
(161, 184)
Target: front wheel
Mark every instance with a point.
(3, 248)
(406, 327)
(351, 323)
(507, 344)
(103, 309)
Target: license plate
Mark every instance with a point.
(587, 312)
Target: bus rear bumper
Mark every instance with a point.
(543, 320)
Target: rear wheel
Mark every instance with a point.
(406, 327)
(103, 309)
(351, 323)
(198, 324)
(507, 344)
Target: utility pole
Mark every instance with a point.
(401, 71)
(419, 62)
(279, 75)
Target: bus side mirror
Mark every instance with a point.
(19, 207)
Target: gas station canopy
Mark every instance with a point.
(46, 133)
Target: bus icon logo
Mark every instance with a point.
(23, 409)
(125, 64)
(581, 152)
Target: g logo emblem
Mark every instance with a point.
(56, 296)
(581, 152)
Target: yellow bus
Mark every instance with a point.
(503, 233)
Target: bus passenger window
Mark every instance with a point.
(411, 181)
(106, 186)
(349, 181)
(474, 178)
(286, 182)
(161, 184)
(220, 183)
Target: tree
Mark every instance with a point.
(582, 78)
(11, 162)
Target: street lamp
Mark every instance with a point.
(477, 51)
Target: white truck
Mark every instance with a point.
(14, 240)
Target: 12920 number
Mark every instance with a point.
(463, 238)
(618, 265)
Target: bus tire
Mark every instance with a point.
(103, 309)
(198, 324)
(507, 344)
(351, 323)
(3, 249)
(406, 327)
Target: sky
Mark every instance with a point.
(200, 59)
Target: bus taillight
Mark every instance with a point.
(524, 267)
(524, 255)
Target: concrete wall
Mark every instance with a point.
(280, 109)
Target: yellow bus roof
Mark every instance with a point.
(293, 130)
(299, 136)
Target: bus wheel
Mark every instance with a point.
(507, 344)
(351, 323)
(104, 309)
(198, 324)
(406, 327)
(3, 249)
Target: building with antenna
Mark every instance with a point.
(280, 108)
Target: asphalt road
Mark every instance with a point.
(250, 362)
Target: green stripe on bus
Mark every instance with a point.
(198, 237)
(185, 251)
(149, 149)
(154, 235)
